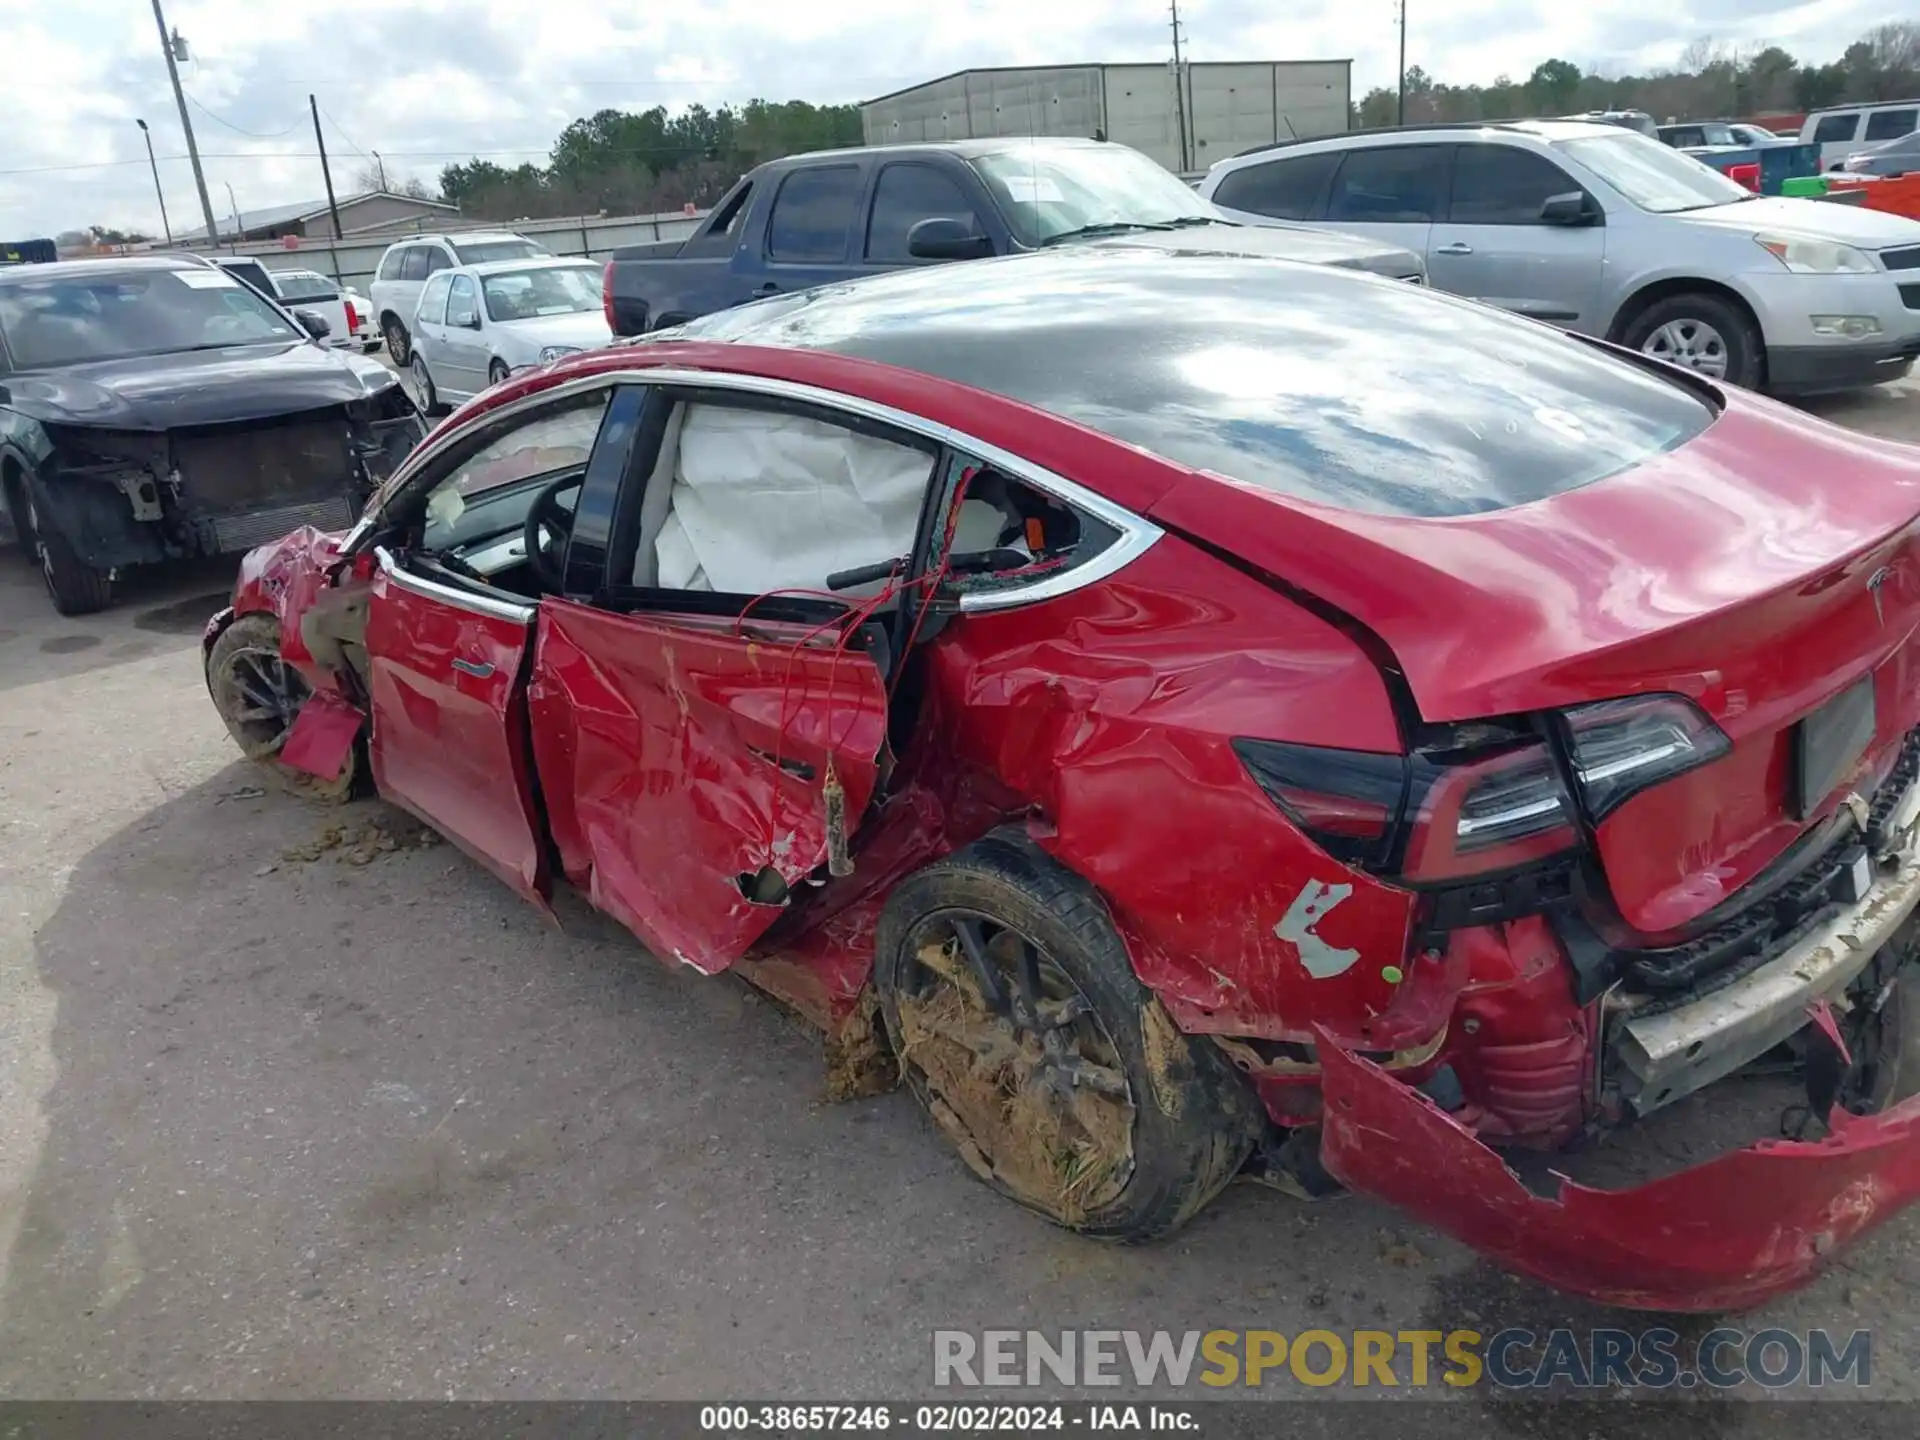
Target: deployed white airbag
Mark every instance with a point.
(764, 501)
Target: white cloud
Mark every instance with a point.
(426, 82)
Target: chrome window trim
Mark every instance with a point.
(446, 595)
(1136, 535)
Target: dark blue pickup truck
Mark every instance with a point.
(835, 215)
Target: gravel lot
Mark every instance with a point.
(289, 1114)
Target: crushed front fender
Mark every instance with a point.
(1720, 1236)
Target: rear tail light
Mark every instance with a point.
(353, 316)
(1443, 815)
(606, 295)
(1486, 813)
(1620, 747)
(1347, 801)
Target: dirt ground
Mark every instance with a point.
(294, 1114)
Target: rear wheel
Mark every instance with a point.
(1701, 332)
(398, 345)
(1059, 1078)
(259, 696)
(76, 587)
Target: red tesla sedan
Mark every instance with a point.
(1189, 714)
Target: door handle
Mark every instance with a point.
(479, 669)
(766, 287)
(1456, 248)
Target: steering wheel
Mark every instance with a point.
(549, 525)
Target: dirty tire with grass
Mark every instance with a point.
(1060, 1079)
(258, 696)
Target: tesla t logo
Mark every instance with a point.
(1312, 905)
(1874, 582)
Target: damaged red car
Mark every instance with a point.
(1192, 715)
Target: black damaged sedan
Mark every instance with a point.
(155, 408)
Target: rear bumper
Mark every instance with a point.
(1721, 1236)
(1663, 1056)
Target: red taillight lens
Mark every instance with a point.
(353, 316)
(1488, 814)
(1424, 817)
(606, 294)
(1347, 801)
(1620, 747)
(1441, 815)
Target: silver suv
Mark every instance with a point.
(1603, 231)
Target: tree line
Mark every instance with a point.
(1710, 82)
(623, 163)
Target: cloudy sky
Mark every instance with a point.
(425, 82)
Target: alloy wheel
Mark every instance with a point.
(40, 551)
(423, 382)
(1014, 1065)
(1692, 343)
(261, 696)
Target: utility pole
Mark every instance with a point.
(1179, 89)
(167, 43)
(158, 193)
(238, 227)
(380, 166)
(1403, 63)
(326, 174)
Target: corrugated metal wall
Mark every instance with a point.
(352, 262)
(1230, 107)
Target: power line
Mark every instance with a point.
(352, 144)
(250, 134)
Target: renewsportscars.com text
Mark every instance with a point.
(1652, 1358)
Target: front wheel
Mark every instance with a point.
(259, 695)
(1701, 332)
(496, 372)
(398, 345)
(1060, 1079)
(423, 385)
(75, 587)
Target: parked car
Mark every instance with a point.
(1890, 157)
(406, 264)
(1721, 135)
(28, 252)
(1636, 120)
(1843, 129)
(360, 310)
(841, 214)
(156, 408)
(477, 324)
(1232, 747)
(1616, 236)
(349, 318)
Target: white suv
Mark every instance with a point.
(405, 266)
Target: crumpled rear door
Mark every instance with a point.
(682, 757)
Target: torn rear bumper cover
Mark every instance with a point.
(1720, 1236)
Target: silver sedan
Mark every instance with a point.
(477, 324)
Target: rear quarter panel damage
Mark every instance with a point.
(1112, 709)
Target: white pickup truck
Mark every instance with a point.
(349, 313)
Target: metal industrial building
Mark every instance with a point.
(1219, 110)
